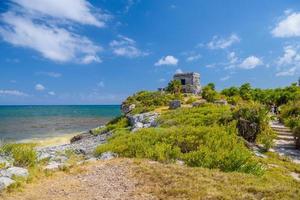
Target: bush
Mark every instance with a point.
(146, 101)
(211, 147)
(252, 120)
(24, 155)
(191, 100)
(115, 124)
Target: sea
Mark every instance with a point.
(19, 123)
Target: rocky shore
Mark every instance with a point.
(83, 145)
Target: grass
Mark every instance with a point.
(171, 181)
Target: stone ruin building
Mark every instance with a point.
(190, 82)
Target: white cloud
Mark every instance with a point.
(168, 60)
(41, 26)
(223, 43)
(39, 87)
(288, 27)
(178, 71)
(232, 57)
(192, 58)
(12, 93)
(289, 72)
(290, 56)
(80, 11)
(50, 74)
(100, 84)
(289, 63)
(52, 93)
(126, 47)
(225, 78)
(162, 80)
(251, 62)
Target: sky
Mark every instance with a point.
(101, 51)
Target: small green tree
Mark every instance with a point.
(209, 93)
(174, 87)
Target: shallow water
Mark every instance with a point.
(31, 122)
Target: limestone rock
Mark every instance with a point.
(18, 171)
(108, 155)
(174, 104)
(127, 108)
(221, 102)
(80, 137)
(5, 182)
(143, 120)
(53, 166)
(199, 103)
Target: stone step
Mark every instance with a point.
(286, 146)
(285, 137)
(282, 129)
(285, 133)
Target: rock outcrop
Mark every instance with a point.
(143, 120)
(174, 104)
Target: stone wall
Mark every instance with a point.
(190, 82)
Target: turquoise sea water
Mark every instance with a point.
(30, 122)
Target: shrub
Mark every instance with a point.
(252, 120)
(146, 101)
(174, 87)
(24, 154)
(212, 147)
(191, 100)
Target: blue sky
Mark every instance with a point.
(99, 52)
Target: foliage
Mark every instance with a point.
(209, 93)
(290, 115)
(203, 136)
(115, 124)
(174, 87)
(23, 154)
(146, 101)
(191, 100)
(253, 123)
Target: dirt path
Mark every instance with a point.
(99, 180)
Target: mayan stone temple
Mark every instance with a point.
(190, 82)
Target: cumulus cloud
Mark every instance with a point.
(289, 72)
(289, 63)
(223, 43)
(52, 93)
(251, 62)
(178, 71)
(80, 11)
(289, 26)
(12, 93)
(167, 60)
(126, 47)
(42, 26)
(39, 87)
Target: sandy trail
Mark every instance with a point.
(99, 180)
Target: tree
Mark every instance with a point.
(246, 91)
(211, 85)
(174, 87)
(209, 94)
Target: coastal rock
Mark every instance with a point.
(17, 171)
(127, 108)
(5, 182)
(143, 120)
(174, 104)
(108, 155)
(4, 162)
(80, 137)
(53, 166)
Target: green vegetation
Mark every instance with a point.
(24, 155)
(202, 137)
(146, 101)
(174, 87)
(290, 116)
(209, 93)
(115, 124)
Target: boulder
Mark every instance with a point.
(108, 155)
(143, 120)
(4, 162)
(5, 182)
(53, 166)
(18, 171)
(174, 104)
(127, 108)
(80, 137)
